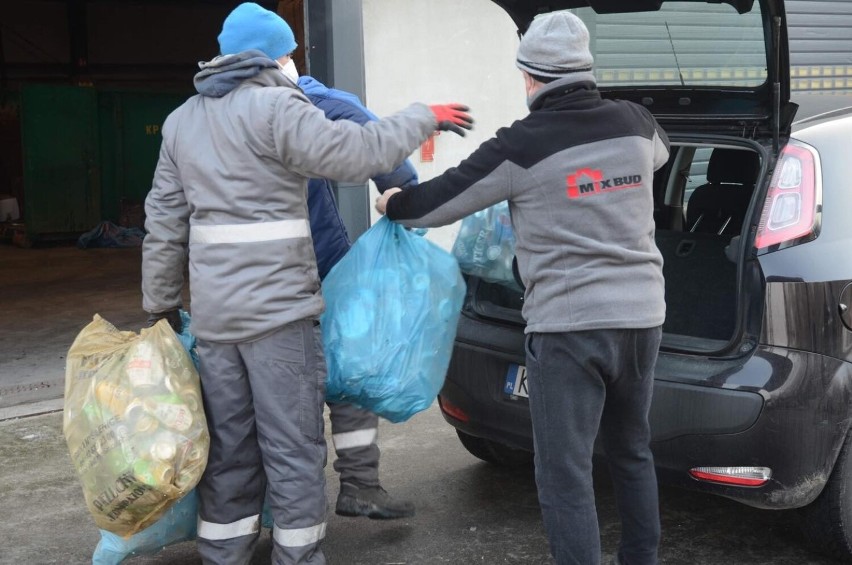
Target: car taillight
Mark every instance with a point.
(734, 476)
(791, 212)
(452, 410)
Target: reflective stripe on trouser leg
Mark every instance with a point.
(219, 532)
(354, 432)
(231, 489)
(287, 374)
(299, 537)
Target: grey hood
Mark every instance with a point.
(226, 72)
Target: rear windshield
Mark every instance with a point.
(688, 43)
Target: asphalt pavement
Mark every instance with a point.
(468, 512)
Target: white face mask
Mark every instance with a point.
(289, 71)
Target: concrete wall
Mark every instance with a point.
(443, 51)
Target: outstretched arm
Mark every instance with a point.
(481, 180)
(341, 105)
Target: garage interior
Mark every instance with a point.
(84, 88)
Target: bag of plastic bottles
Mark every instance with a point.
(134, 423)
(485, 245)
(392, 305)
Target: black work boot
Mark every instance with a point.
(372, 502)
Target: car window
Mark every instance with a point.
(689, 43)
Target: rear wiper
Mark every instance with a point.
(671, 42)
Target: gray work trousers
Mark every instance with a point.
(263, 401)
(353, 433)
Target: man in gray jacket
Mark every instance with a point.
(229, 193)
(578, 174)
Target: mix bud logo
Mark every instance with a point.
(586, 182)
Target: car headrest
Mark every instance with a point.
(733, 166)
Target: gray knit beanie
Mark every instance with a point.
(555, 45)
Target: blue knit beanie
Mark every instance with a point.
(250, 26)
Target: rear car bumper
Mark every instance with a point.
(784, 409)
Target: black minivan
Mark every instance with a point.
(753, 390)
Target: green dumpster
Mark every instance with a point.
(88, 155)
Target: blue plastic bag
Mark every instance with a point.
(186, 338)
(485, 245)
(178, 524)
(392, 305)
(107, 234)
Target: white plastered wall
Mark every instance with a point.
(440, 51)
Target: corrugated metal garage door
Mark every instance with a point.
(712, 45)
(820, 44)
(690, 42)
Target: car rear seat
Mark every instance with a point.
(720, 205)
(701, 289)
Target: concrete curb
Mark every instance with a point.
(32, 409)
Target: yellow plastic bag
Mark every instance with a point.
(134, 423)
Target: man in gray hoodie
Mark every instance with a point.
(578, 174)
(229, 194)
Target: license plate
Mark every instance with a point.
(516, 381)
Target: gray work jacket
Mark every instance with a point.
(230, 191)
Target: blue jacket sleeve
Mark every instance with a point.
(342, 105)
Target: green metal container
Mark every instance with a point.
(88, 154)
(61, 160)
(130, 124)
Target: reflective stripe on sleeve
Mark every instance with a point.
(249, 233)
(358, 438)
(244, 527)
(298, 537)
